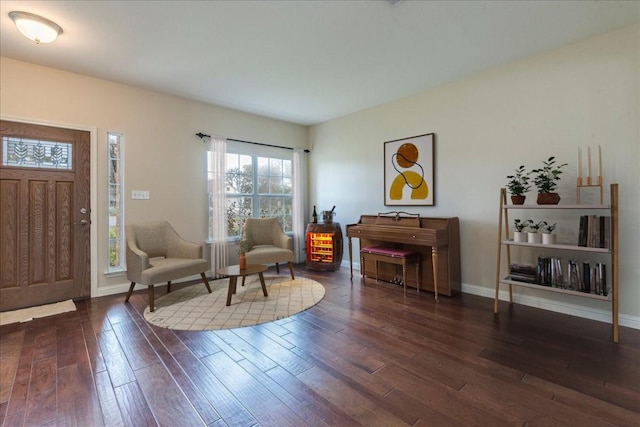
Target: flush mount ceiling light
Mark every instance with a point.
(36, 28)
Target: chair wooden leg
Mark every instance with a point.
(277, 268)
(243, 277)
(130, 291)
(169, 286)
(151, 297)
(291, 270)
(206, 281)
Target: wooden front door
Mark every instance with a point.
(44, 215)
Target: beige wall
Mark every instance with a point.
(489, 124)
(162, 153)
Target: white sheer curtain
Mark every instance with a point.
(217, 169)
(299, 250)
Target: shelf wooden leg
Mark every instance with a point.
(434, 261)
(614, 260)
(351, 259)
(503, 199)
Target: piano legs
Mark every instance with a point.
(391, 256)
(434, 264)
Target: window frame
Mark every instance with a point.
(256, 152)
(119, 239)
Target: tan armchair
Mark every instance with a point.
(267, 243)
(156, 253)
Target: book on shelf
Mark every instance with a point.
(582, 232)
(575, 278)
(523, 268)
(549, 271)
(586, 277)
(602, 278)
(522, 278)
(522, 273)
(594, 231)
(605, 232)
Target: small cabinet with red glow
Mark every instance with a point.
(324, 246)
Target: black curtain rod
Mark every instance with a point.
(203, 136)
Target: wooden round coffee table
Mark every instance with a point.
(233, 272)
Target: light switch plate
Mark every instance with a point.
(140, 195)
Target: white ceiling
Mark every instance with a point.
(302, 61)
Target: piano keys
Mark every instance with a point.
(436, 239)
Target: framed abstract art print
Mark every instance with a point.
(408, 171)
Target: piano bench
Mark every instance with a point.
(392, 256)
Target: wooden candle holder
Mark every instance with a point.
(580, 185)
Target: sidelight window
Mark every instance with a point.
(115, 192)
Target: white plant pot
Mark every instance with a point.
(548, 239)
(520, 236)
(534, 237)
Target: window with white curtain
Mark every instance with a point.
(258, 184)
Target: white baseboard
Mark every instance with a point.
(559, 307)
(111, 290)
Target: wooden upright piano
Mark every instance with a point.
(436, 239)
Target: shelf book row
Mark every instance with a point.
(594, 231)
(587, 277)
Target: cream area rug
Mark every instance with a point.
(194, 309)
(26, 314)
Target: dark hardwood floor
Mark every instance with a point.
(365, 355)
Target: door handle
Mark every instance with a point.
(83, 222)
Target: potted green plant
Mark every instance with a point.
(520, 235)
(533, 236)
(546, 180)
(547, 237)
(518, 185)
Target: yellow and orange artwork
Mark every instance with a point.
(406, 157)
